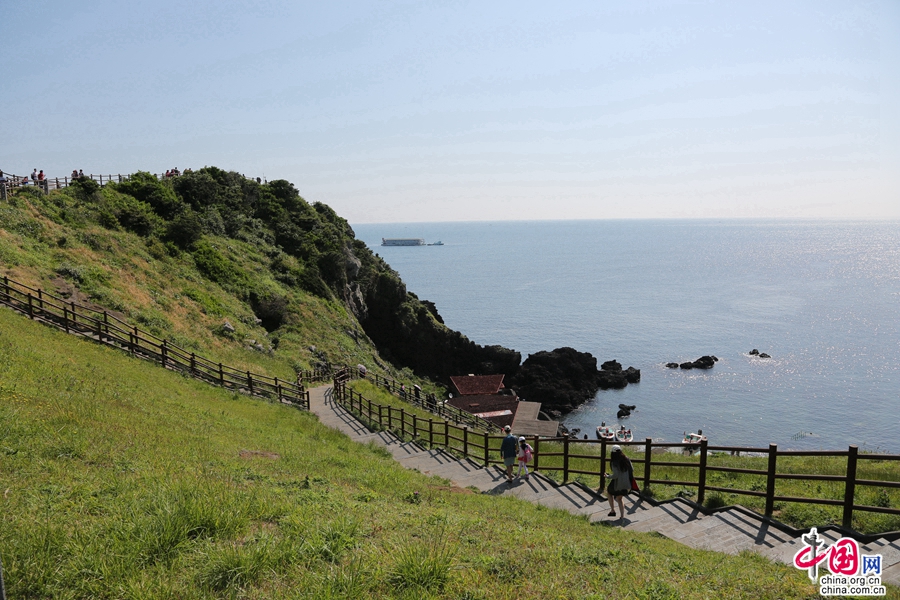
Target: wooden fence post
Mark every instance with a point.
(537, 442)
(446, 434)
(221, 376)
(402, 422)
(5, 277)
(415, 432)
(106, 324)
(602, 463)
(30, 307)
(277, 389)
(193, 363)
(770, 479)
(380, 417)
(163, 354)
(850, 487)
(487, 441)
(250, 382)
(701, 478)
(66, 317)
(41, 301)
(430, 432)
(648, 456)
(565, 459)
(465, 440)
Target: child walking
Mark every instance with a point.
(524, 454)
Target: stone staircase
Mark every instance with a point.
(729, 530)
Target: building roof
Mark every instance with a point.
(467, 385)
(498, 409)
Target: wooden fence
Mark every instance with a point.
(559, 455)
(430, 403)
(58, 183)
(107, 329)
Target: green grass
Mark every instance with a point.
(123, 480)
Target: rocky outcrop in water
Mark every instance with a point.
(704, 362)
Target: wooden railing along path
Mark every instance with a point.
(108, 329)
(429, 402)
(559, 455)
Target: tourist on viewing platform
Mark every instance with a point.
(619, 480)
(508, 451)
(41, 175)
(80, 173)
(2, 178)
(74, 174)
(34, 176)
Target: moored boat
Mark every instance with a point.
(605, 432)
(694, 438)
(624, 435)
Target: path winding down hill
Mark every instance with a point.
(730, 530)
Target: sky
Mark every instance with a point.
(473, 111)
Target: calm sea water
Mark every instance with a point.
(823, 298)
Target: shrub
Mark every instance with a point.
(186, 229)
(147, 188)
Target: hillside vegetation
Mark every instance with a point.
(124, 480)
(181, 256)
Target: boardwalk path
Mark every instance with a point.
(730, 531)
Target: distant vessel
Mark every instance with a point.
(437, 243)
(402, 242)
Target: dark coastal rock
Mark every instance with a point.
(672, 365)
(632, 375)
(611, 365)
(764, 355)
(612, 380)
(560, 380)
(704, 362)
(625, 410)
(754, 352)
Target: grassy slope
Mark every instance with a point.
(45, 240)
(121, 480)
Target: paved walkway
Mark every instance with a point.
(729, 531)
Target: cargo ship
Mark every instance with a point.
(402, 242)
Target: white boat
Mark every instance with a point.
(437, 243)
(624, 435)
(402, 242)
(604, 432)
(694, 438)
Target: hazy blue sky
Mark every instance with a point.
(425, 111)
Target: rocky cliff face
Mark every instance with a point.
(560, 380)
(410, 332)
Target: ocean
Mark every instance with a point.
(821, 297)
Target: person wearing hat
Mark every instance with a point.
(523, 455)
(619, 480)
(508, 450)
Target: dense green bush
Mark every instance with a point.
(158, 194)
(185, 229)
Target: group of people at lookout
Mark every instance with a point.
(621, 481)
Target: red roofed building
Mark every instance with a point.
(476, 385)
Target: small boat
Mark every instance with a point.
(604, 432)
(694, 438)
(437, 243)
(624, 435)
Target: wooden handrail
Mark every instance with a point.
(460, 439)
(108, 329)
